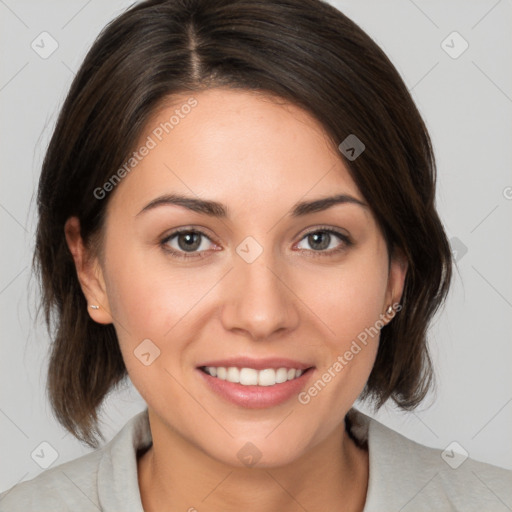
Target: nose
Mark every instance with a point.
(258, 300)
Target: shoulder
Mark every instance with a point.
(408, 476)
(103, 479)
(68, 486)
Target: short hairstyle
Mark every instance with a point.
(304, 51)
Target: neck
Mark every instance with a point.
(174, 474)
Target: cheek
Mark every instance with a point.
(151, 299)
(143, 298)
(350, 298)
(151, 303)
(350, 305)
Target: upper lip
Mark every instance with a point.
(258, 364)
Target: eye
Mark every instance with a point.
(183, 241)
(190, 243)
(322, 239)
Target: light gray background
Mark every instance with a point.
(467, 105)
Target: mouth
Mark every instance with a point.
(252, 377)
(256, 388)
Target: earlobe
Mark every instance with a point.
(396, 280)
(89, 273)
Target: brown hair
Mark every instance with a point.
(304, 51)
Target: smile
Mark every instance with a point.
(252, 377)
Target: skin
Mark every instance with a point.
(258, 157)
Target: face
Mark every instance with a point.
(264, 286)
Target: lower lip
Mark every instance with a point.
(257, 397)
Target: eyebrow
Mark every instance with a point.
(215, 209)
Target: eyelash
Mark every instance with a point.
(347, 242)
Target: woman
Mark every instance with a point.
(236, 211)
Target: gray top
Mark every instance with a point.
(404, 476)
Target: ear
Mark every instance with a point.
(396, 278)
(89, 273)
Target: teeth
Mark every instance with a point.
(248, 376)
(281, 375)
(252, 377)
(233, 374)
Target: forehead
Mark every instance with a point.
(242, 148)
